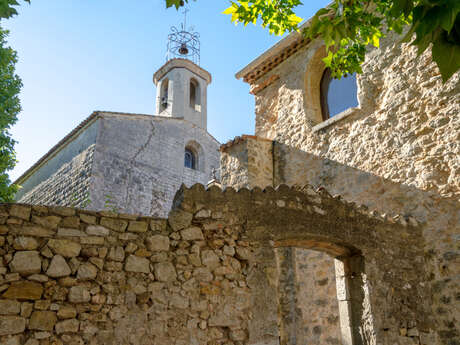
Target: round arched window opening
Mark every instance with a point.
(195, 101)
(190, 159)
(337, 95)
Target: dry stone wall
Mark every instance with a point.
(78, 277)
(208, 274)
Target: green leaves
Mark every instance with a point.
(176, 3)
(446, 54)
(277, 16)
(348, 27)
(10, 86)
(6, 8)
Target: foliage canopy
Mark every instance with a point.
(349, 26)
(10, 85)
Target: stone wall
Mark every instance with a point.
(68, 186)
(208, 274)
(78, 277)
(139, 162)
(396, 153)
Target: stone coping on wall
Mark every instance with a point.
(240, 139)
(336, 118)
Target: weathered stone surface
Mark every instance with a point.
(58, 267)
(135, 226)
(25, 243)
(210, 259)
(12, 325)
(192, 234)
(157, 243)
(116, 254)
(20, 211)
(26, 263)
(137, 264)
(97, 230)
(66, 248)
(86, 271)
(67, 326)
(79, 294)
(36, 231)
(179, 219)
(8, 307)
(164, 271)
(42, 320)
(66, 312)
(118, 225)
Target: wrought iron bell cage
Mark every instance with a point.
(183, 44)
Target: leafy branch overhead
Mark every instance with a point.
(349, 26)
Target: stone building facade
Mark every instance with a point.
(326, 231)
(397, 152)
(132, 163)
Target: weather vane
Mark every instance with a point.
(182, 43)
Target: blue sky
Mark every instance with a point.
(77, 56)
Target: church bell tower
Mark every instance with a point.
(181, 83)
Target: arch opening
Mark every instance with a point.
(194, 157)
(164, 94)
(195, 94)
(325, 96)
(320, 291)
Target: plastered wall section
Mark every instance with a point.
(139, 162)
(397, 153)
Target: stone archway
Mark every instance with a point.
(375, 253)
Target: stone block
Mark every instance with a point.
(24, 290)
(135, 226)
(192, 234)
(42, 320)
(66, 248)
(114, 224)
(116, 254)
(97, 230)
(92, 240)
(66, 312)
(26, 263)
(210, 259)
(25, 243)
(179, 219)
(165, 271)
(20, 211)
(157, 243)
(12, 325)
(8, 307)
(79, 294)
(67, 326)
(47, 222)
(137, 264)
(58, 268)
(86, 271)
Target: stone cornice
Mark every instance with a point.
(181, 63)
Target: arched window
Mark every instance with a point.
(164, 94)
(194, 94)
(337, 95)
(189, 159)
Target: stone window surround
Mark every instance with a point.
(336, 118)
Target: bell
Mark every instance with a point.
(183, 50)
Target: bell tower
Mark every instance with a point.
(181, 83)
